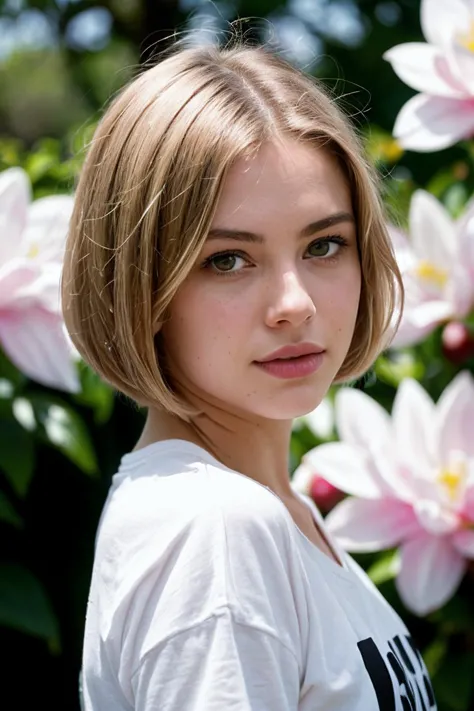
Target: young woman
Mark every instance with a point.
(227, 262)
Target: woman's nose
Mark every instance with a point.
(290, 301)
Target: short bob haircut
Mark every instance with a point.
(149, 189)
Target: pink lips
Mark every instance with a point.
(295, 361)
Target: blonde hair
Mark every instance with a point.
(149, 189)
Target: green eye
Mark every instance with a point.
(319, 249)
(224, 262)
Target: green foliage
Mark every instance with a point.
(24, 605)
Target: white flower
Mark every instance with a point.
(442, 69)
(437, 265)
(413, 476)
(32, 240)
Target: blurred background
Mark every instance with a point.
(60, 61)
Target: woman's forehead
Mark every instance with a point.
(284, 178)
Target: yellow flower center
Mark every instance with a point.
(33, 251)
(427, 271)
(452, 479)
(467, 40)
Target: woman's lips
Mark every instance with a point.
(298, 367)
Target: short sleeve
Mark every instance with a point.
(218, 665)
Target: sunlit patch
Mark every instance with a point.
(429, 272)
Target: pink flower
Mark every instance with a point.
(437, 265)
(442, 69)
(32, 239)
(413, 476)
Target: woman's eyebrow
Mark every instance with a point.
(311, 229)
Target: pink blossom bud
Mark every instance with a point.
(324, 494)
(458, 342)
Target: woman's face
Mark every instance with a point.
(280, 267)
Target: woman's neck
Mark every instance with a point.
(258, 449)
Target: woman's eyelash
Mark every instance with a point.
(335, 239)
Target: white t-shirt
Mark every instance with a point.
(206, 596)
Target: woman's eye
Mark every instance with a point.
(320, 249)
(326, 247)
(226, 262)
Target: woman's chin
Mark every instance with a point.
(293, 408)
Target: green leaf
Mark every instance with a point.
(385, 568)
(17, 455)
(455, 617)
(10, 372)
(441, 182)
(453, 684)
(62, 427)
(8, 513)
(10, 152)
(455, 199)
(434, 655)
(397, 365)
(6, 389)
(95, 393)
(24, 605)
(38, 164)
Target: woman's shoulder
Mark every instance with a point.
(184, 538)
(175, 484)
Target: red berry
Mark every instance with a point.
(324, 494)
(458, 342)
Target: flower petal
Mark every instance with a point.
(360, 419)
(34, 341)
(432, 230)
(460, 288)
(419, 320)
(362, 422)
(463, 541)
(455, 417)
(413, 416)
(424, 68)
(431, 571)
(408, 333)
(460, 63)
(442, 21)
(302, 478)
(15, 276)
(435, 518)
(321, 420)
(47, 227)
(404, 254)
(465, 233)
(431, 313)
(14, 200)
(44, 290)
(468, 509)
(346, 468)
(430, 123)
(365, 525)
